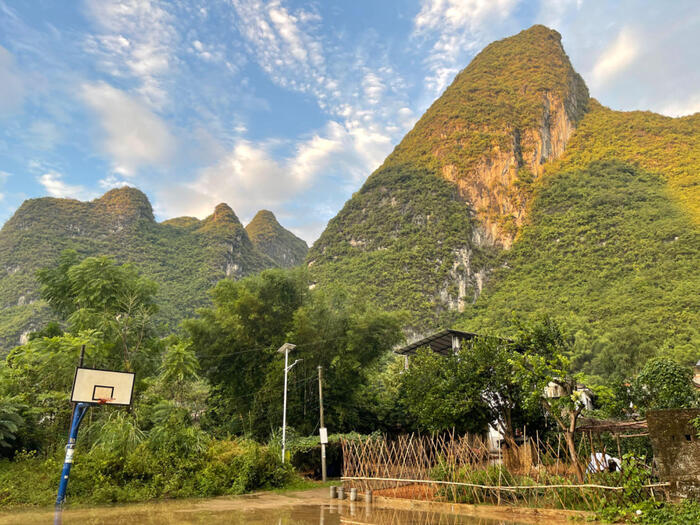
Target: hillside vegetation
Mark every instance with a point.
(420, 233)
(533, 199)
(610, 254)
(270, 238)
(184, 256)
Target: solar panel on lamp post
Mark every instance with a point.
(286, 348)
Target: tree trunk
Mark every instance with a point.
(569, 438)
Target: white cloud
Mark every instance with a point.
(137, 39)
(3, 177)
(111, 182)
(134, 136)
(456, 28)
(282, 43)
(679, 108)
(617, 57)
(55, 187)
(12, 86)
(250, 177)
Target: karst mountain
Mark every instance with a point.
(184, 256)
(517, 195)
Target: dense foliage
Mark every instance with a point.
(237, 341)
(197, 395)
(402, 242)
(271, 239)
(612, 257)
(184, 256)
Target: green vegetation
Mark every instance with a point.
(184, 256)
(611, 256)
(402, 241)
(668, 147)
(236, 343)
(271, 239)
(175, 463)
(503, 89)
(198, 400)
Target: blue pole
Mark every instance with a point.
(80, 410)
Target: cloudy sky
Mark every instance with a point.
(281, 104)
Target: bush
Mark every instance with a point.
(147, 471)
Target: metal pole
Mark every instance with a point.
(284, 405)
(80, 411)
(320, 403)
(80, 365)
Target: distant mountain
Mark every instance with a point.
(185, 256)
(516, 194)
(271, 239)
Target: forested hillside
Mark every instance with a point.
(270, 238)
(516, 195)
(184, 256)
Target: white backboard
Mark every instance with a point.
(323, 431)
(102, 387)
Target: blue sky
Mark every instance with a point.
(278, 104)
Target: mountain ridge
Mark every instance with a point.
(185, 256)
(454, 226)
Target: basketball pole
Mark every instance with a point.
(80, 411)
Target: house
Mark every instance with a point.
(696, 377)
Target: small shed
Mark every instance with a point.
(444, 342)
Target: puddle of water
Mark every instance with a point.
(244, 511)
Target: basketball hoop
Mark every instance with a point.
(102, 387)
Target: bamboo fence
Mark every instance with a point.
(445, 467)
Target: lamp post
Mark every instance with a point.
(286, 348)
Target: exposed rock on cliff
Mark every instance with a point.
(481, 146)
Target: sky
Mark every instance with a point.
(279, 104)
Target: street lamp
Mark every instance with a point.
(286, 348)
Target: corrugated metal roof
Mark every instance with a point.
(440, 342)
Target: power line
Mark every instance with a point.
(271, 347)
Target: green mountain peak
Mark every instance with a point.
(126, 202)
(278, 243)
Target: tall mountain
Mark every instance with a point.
(185, 256)
(422, 232)
(517, 194)
(269, 237)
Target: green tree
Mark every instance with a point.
(237, 339)
(10, 423)
(542, 365)
(98, 294)
(492, 359)
(663, 383)
(444, 392)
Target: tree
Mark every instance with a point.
(237, 339)
(444, 393)
(10, 423)
(98, 294)
(663, 383)
(492, 359)
(541, 361)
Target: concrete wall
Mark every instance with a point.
(676, 448)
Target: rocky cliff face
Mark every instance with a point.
(513, 109)
(486, 140)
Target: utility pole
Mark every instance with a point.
(286, 348)
(322, 426)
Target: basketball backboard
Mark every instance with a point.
(102, 387)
